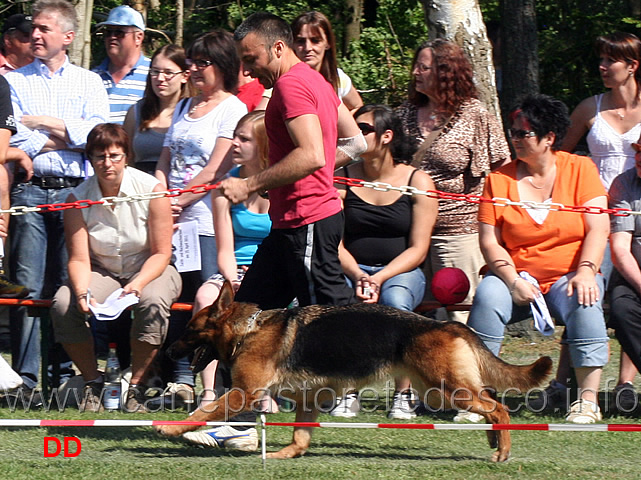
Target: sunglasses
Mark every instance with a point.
(366, 128)
(114, 32)
(199, 63)
(520, 134)
(155, 73)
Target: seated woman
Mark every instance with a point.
(387, 234)
(126, 245)
(625, 282)
(561, 250)
(239, 230)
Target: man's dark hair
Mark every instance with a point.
(268, 26)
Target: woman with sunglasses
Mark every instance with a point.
(459, 142)
(612, 122)
(197, 145)
(149, 119)
(546, 253)
(126, 245)
(387, 234)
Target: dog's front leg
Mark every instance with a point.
(230, 404)
(305, 412)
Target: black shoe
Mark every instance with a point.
(8, 289)
(625, 398)
(22, 397)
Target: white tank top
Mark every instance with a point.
(610, 151)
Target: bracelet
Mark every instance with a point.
(588, 263)
(514, 284)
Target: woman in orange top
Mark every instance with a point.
(561, 250)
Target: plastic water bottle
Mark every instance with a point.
(112, 380)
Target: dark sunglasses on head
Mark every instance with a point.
(366, 128)
(199, 63)
(520, 134)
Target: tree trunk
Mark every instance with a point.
(519, 57)
(80, 49)
(180, 12)
(141, 7)
(461, 22)
(353, 25)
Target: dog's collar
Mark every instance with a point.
(251, 323)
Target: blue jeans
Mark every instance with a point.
(587, 338)
(39, 262)
(404, 291)
(180, 369)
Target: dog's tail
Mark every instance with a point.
(502, 375)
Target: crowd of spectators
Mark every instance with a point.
(276, 226)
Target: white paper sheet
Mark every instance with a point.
(186, 247)
(542, 319)
(113, 306)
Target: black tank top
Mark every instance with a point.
(376, 234)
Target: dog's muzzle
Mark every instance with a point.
(203, 356)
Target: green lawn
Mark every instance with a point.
(124, 452)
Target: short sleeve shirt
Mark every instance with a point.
(7, 121)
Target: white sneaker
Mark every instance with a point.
(347, 406)
(224, 436)
(583, 412)
(401, 408)
(467, 416)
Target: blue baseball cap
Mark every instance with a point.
(124, 16)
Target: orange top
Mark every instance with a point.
(552, 249)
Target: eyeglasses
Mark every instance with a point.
(155, 73)
(114, 158)
(520, 134)
(199, 63)
(366, 128)
(114, 32)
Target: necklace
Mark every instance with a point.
(529, 179)
(621, 117)
(199, 105)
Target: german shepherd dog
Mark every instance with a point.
(313, 349)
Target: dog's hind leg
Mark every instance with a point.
(494, 412)
(305, 412)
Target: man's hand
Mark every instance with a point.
(21, 160)
(234, 189)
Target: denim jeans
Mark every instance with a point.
(180, 370)
(39, 262)
(404, 291)
(587, 338)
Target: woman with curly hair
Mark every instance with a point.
(459, 142)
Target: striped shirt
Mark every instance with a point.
(126, 92)
(72, 94)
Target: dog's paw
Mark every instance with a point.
(168, 430)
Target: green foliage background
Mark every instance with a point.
(378, 63)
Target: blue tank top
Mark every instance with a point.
(249, 229)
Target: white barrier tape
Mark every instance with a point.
(555, 427)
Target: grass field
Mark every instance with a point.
(127, 453)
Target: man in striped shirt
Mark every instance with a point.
(124, 71)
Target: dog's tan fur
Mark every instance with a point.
(301, 349)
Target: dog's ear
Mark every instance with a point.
(225, 297)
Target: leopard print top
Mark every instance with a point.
(470, 144)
